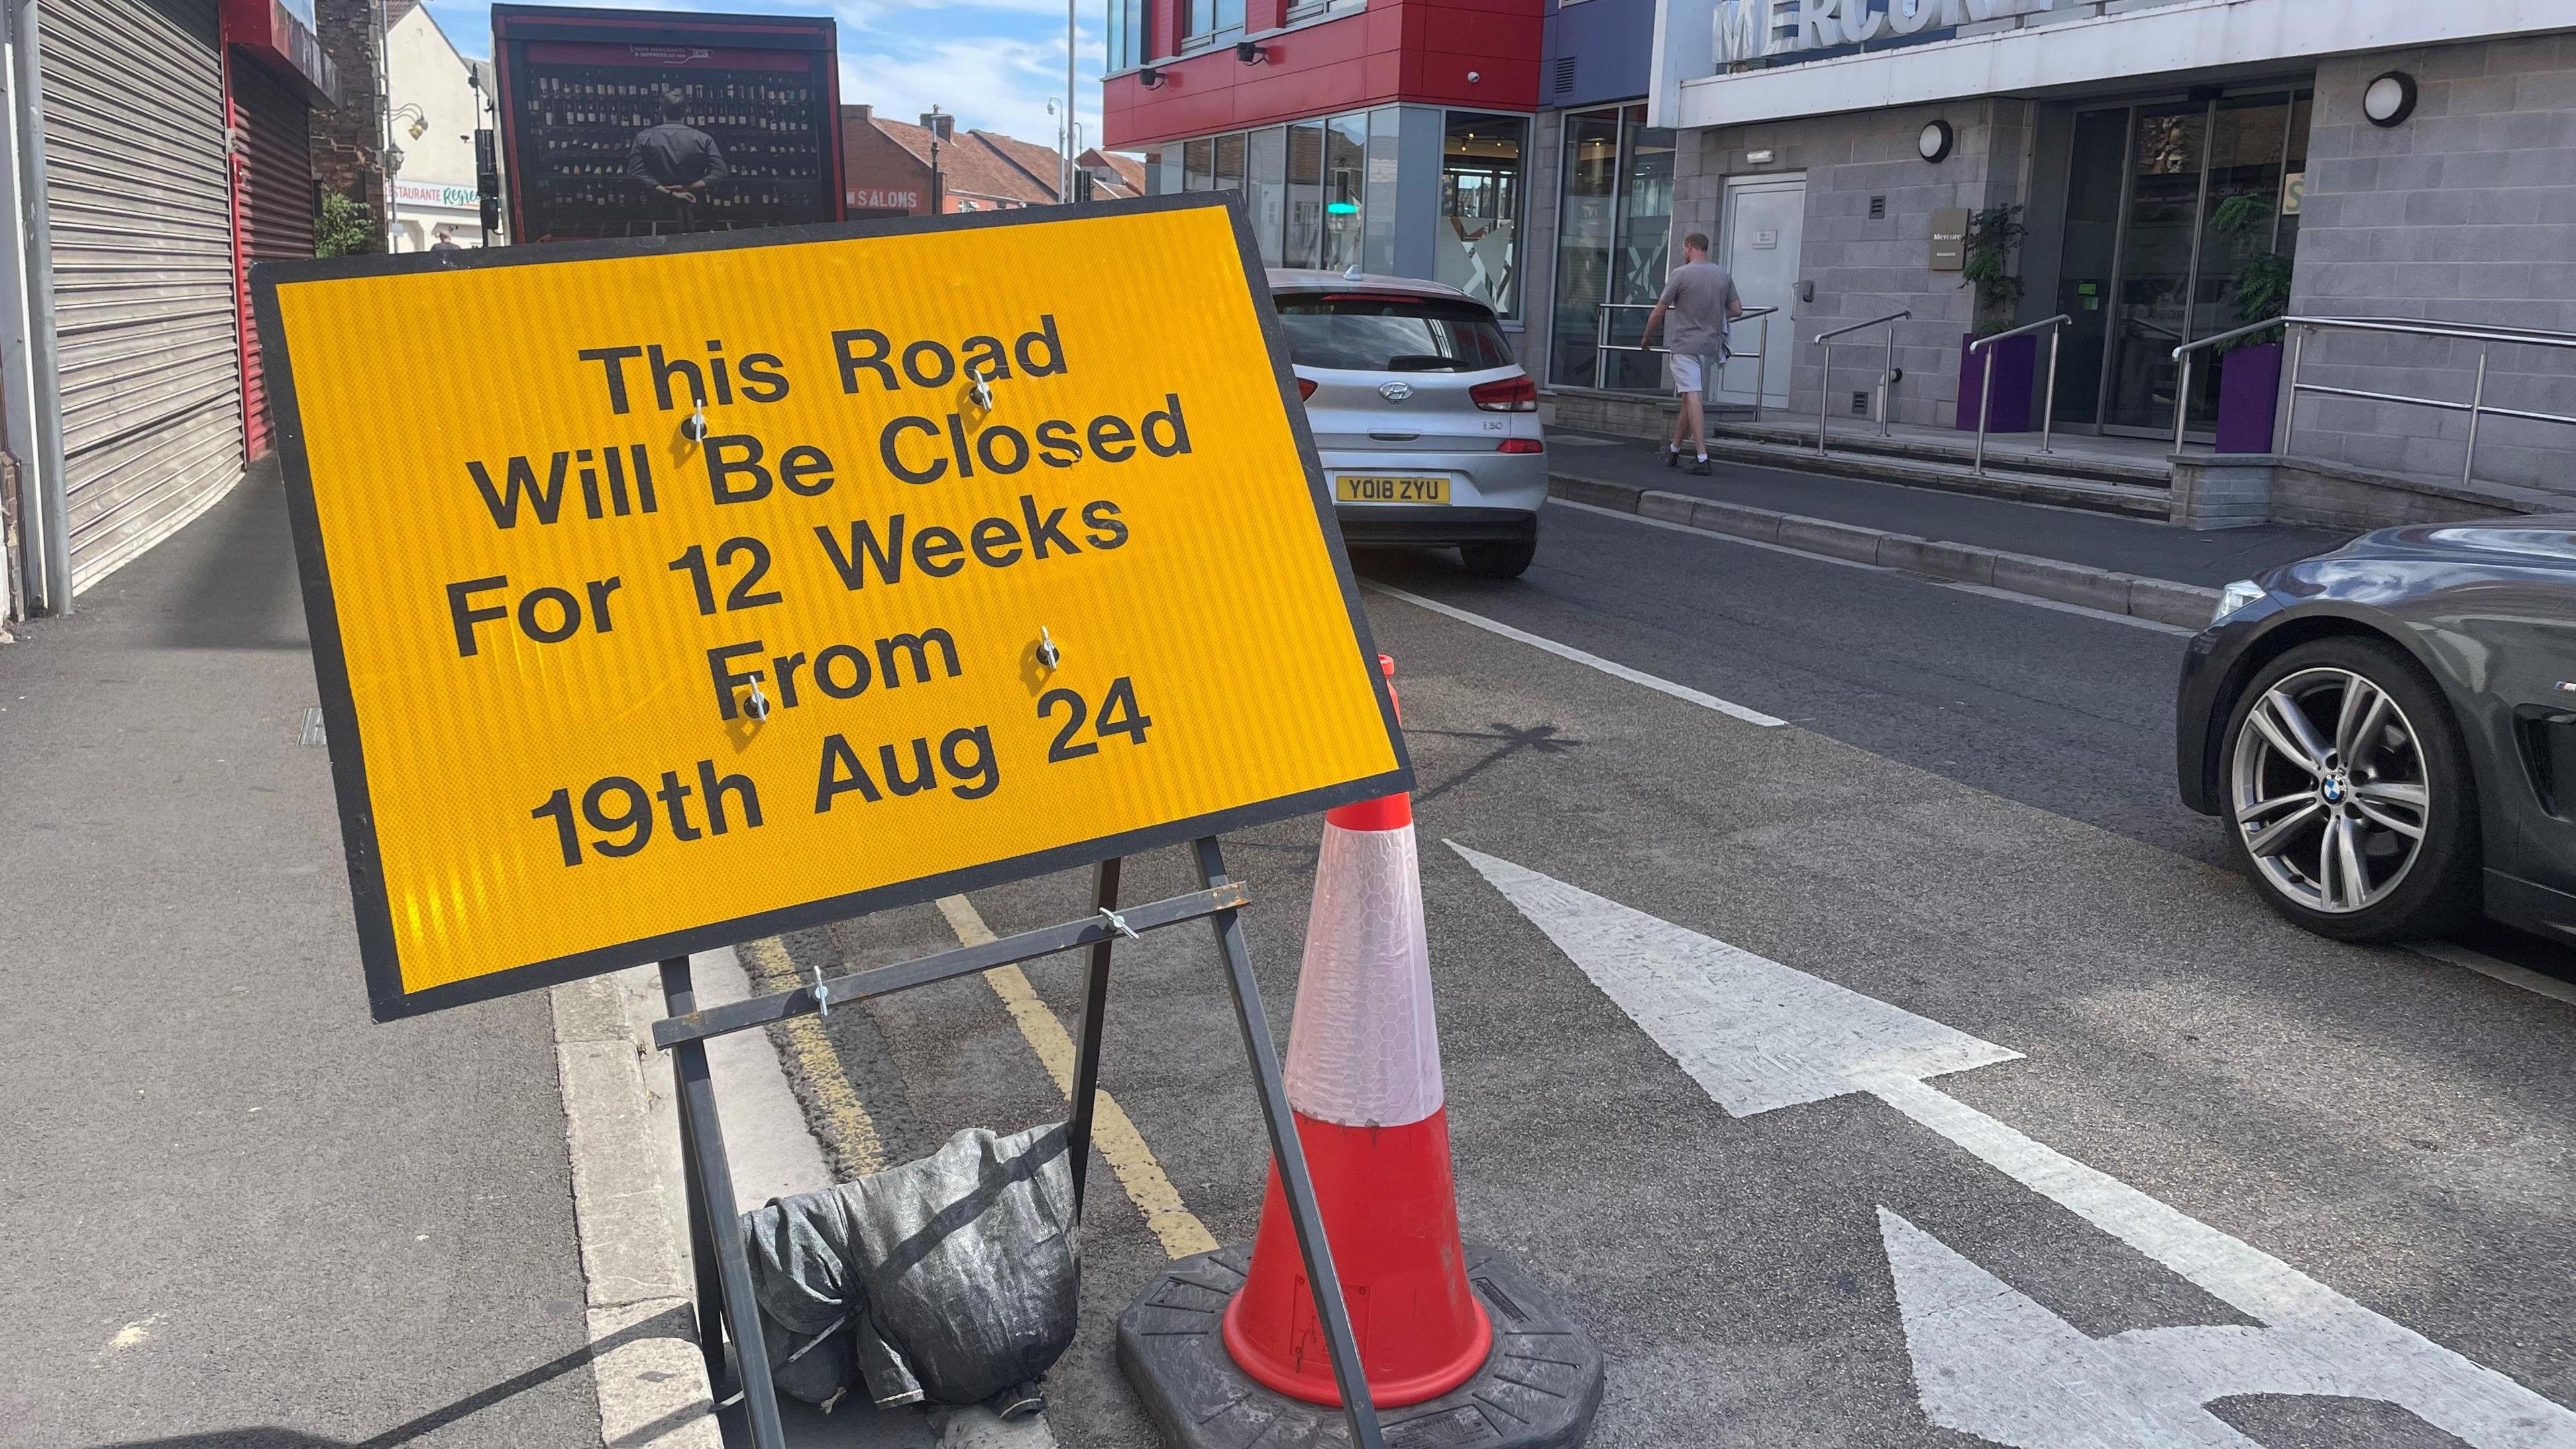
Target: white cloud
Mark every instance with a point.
(990, 82)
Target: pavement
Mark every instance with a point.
(239, 1212)
(2209, 558)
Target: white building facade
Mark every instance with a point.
(436, 107)
(2408, 158)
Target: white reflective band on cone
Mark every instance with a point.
(1363, 1050)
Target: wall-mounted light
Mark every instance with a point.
(2389, 98)
(1150, 77)
(1250, 52)
(1935, 141)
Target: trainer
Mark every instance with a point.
(1702, 299)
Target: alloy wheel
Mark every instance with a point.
(2329, 791)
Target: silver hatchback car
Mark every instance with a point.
(1428, 429)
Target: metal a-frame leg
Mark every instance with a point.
(1290, 1155)
(1086, 1060)
(715, 1229)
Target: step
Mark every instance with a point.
(2131, 500)
(2088, 467)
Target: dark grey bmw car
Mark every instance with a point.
(2390, 729)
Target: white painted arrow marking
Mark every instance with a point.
(1988, 1360)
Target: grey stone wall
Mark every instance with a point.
(2465, 213)
(1864, 268)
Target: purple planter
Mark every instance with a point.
(2016, 360)
(2249, 396)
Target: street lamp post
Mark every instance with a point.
(1064, 191)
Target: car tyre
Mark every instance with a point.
(2319, 806)
(1499, 560)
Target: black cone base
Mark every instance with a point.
(1538, 1389)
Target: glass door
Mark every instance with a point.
(2172, 207)
(2150, 316)
(1614, 225)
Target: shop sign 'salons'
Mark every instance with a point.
(670, 594)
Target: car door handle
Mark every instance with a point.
(1395, 437)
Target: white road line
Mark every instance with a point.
(1612, 668)
(1989, 1360)
(1958, 585)
(2504, 971)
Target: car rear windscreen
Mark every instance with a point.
(1389, 333)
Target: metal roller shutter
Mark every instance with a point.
(138, 196)
(276, 200)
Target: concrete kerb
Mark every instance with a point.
(2163, 601)
(646, 1364)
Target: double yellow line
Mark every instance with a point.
(858, 1149)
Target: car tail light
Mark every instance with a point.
(1506, 395)
(1305, 388)
(1521, 445)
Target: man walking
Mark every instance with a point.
(676, 159)
(1701, 297)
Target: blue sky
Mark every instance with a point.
(991, 63)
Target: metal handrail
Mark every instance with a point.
(1986, 390)
(1825, 379)
(2298, 328)
(1761, 354)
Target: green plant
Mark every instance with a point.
(1994, 236)
(345, 228)
(2262, 274)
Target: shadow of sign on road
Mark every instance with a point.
(671, 1323)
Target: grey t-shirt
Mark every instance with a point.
(1697, 297)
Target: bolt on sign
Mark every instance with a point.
(665, 594)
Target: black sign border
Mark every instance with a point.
(378, 954)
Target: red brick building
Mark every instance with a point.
(1392, 135)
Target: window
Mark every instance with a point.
(1387, 333)
(1305, 237)
(1209, 18)
(1198, 164)
(1345, 174)
(1229, 162)
(1265, 199)
(1126, 34)
(1478, 241)
(1613, 229)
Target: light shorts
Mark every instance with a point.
(1689, 372)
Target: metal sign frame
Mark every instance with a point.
(387, 997)
(726, 1306)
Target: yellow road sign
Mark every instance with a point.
(665, 594)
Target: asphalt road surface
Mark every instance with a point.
(2120, 1127)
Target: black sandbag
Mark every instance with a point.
(949, 1278)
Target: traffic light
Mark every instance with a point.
(487, 179)
(1083, 181)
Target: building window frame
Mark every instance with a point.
(1628, 130)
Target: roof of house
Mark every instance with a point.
(970, 165)
(1037, 163)
(1130, 170)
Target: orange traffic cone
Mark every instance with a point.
(1363, 1076)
